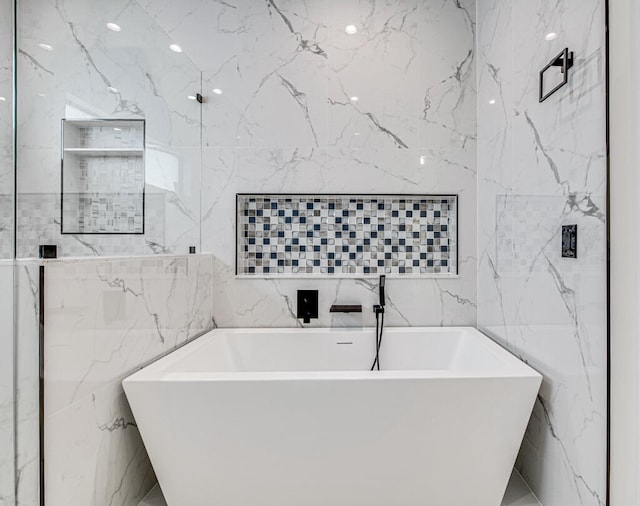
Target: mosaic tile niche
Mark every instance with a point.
(346, 235)
(103, 176)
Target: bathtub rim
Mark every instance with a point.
(512, 366)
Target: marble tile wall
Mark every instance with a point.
(27, 307)
(104, 319)
(7, 439)
(294, 104)
(70, 65)
(541, 166)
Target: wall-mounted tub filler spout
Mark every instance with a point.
(346, 308)
(307, 305)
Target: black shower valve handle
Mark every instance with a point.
(307, 305)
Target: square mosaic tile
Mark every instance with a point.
(104, 195)
(346, 235)
(528, 234)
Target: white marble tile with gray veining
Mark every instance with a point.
(373, 74)
(26, 300)
(7, 406)
(74, 67)
(447, 74)
(106, 318)
(542, 166)
(281, 63)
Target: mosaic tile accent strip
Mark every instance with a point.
(346, 235)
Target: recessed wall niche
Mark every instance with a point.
(102, 176)
(347, 235)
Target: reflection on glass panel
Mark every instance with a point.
(87, 60)
(6, 130)
(76, 65)
(7, 472)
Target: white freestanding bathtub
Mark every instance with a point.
(294, 417)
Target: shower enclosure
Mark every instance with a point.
(123, 181)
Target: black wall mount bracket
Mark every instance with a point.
(565, 61)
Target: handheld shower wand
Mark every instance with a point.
(378, 309)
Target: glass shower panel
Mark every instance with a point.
(6, 130)
(101, 65)
(104, 69)
(7, 443)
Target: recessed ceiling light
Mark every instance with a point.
(41, 94)
(117, 129)
(351, 29)
(550, 36)
(175, 48)
(46, 47)
(356, 133)
(354, 99)
(114, 27)
(191, 97)
(112, 89)
(217, 91)
(492, 101)
(2, 99)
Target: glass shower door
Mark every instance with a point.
(7, 432)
